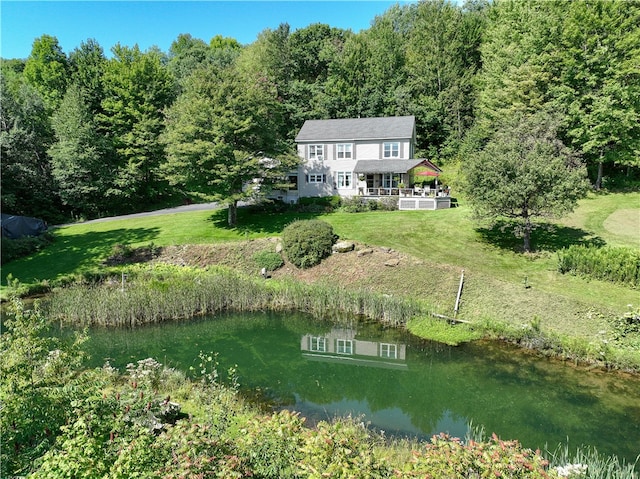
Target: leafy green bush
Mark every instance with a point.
(448, 456)
(272, 445)
(318, 204)
(627, 325)
(619, 265)
(358, 204)
(307, 242)
(269, 260)
(39, 385)
(17, 248)
(343, 449)
(389, 203)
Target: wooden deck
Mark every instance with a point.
(414, 198)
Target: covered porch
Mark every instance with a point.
(384, 178)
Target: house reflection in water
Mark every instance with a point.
(341, 345)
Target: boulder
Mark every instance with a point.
(364, 252)
(392, 262)
(343, 247)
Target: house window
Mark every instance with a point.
(389, 180)
(344, 346)
(388, 351)
(344, 151)
(345, 179)
(391, 150)
(316, 152)
(318, 344)
(314, 178)
(293, 182)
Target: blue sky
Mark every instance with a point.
(148, 23)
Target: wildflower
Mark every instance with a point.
(572, 471)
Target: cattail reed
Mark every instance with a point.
(181, 294)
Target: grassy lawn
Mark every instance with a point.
(84, 247)
(445, 242)
(495, 272)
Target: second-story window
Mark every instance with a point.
(316, 152)
(344, 151)
(391, 150)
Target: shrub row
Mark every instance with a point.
(327, 204)
(160, 294)
(109, 436)
(359, 204)
(619, 265)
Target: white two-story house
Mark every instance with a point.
(371, 157)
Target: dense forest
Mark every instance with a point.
(85, 134)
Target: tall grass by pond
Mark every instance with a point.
(619, 265)
(155, 295)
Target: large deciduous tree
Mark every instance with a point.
(47, 70)
(515, 54)
(137, 89)
(222, 134)
(523, 173)
(597, 80)
(442, 61)
(87, 64)
(25, 135)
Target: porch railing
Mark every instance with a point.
(440, 191)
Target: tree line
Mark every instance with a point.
(85, 135)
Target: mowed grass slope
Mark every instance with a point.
(496, 273)
(445, 242)
(83, 247)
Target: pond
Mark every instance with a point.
(396, 382)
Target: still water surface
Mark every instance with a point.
(398, 383)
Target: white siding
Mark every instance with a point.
(367, 151)
(405, 150)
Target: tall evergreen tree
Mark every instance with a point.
(78, 156)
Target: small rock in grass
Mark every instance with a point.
(343, 247)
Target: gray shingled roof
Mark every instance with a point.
(393, 127)
(385, 166)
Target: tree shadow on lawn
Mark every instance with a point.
(253, 219)
(545, 237)
(74, 254)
